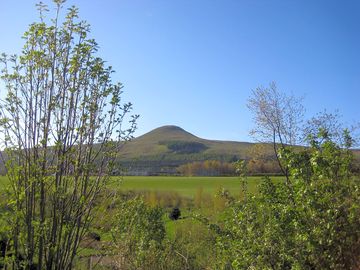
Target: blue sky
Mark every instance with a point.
(193, 63)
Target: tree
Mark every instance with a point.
(316, 227)
(61, 124)
(262, 159)
(277, 118)
(207, 167)
(329, 122)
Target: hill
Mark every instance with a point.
(163, 149)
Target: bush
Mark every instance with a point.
(138, 234)
(175, 213)
(310, 223)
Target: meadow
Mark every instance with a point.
(185, 186)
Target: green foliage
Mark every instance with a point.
(193, 245)
(61, 125)
(138, 233)
(140, 242)
(310, 223)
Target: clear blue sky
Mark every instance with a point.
(193, 63)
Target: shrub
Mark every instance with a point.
(175, 213)
(311, 222)
(138, 233)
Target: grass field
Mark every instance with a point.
(187, 186)
(184, 186)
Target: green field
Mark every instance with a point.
(184, 186)
(187, 186)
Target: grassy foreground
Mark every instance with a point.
(166, 192)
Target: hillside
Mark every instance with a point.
(156, 142)
(162, 150)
